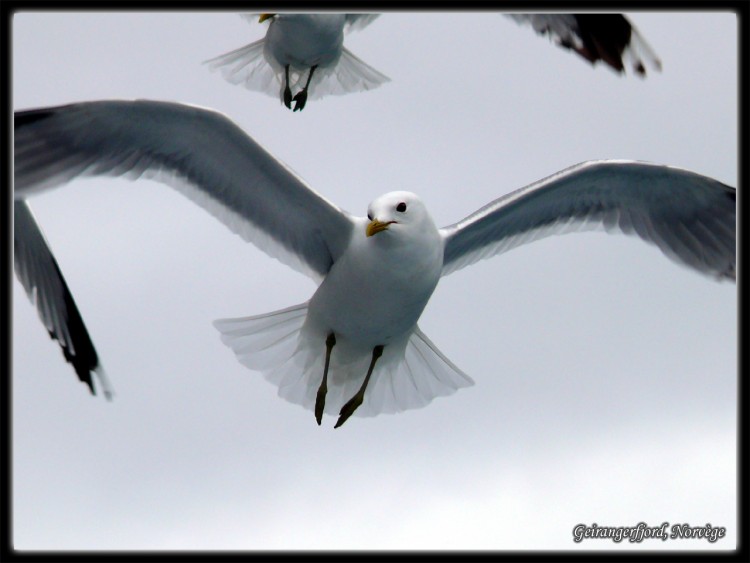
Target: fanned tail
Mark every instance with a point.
(248, 66)
(263, 342)
(422, 374)
(408, 376)
(350, 74)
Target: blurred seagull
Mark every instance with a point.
(355, 346)
(596, 37)
(303, 52)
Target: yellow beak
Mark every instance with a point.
(264, 17)
(376, 226)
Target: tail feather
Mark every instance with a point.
(351, 74)
(263, 341)
(249, 67)
(409, 375)
(423, 374)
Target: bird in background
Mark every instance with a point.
(355, 346)
(610, 38)
(301, 57)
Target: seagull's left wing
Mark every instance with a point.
(219, 167)
(691, 218)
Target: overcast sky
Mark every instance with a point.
(605, 373)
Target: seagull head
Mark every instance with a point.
(398, 212)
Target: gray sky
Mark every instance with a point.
(605, 374)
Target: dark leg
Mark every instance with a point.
(320, 399)
(301, 98)
(348, 409)
(287, 90)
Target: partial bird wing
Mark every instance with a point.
(355, 22)
(690, 217)
(40, 276)
(606, 37)
(220, 168)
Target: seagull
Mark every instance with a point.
(596, 37)
(355, 347)
(304, 52)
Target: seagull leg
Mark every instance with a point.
(301, 98)
(287, 90)
(320, 399)
(348, 409)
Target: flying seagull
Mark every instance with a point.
(303, 53)
(596, 37)
(355, 346)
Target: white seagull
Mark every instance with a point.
(302, 52)
(355, 346)
(596, 37)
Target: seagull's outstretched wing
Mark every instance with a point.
(690, 217)
(606, 37)
(44, 284)
(218, 165)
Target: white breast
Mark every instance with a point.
(377, 290)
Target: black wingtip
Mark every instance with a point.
(27, 117)
(605, 38)
(84, 363)
(84, 359)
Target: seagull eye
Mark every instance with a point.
(401, 207)
(369, 216)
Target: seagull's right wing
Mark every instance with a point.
(606, 37)
(691, 218)
(221, 168)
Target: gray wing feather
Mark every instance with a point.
(216, 164)
(691, 218)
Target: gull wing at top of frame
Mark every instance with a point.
(610, 38)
